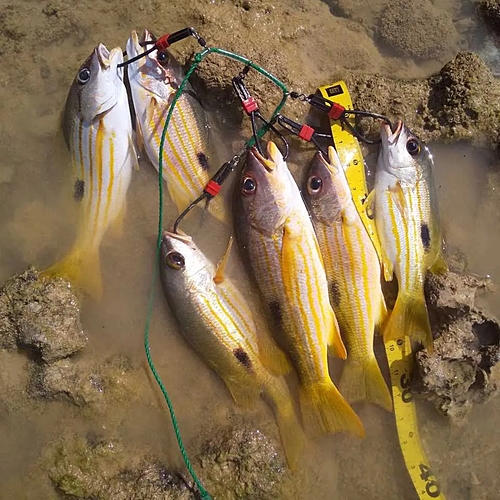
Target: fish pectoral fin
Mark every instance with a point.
(81, 268)
(324, 410)
(387, 266)
(439, 266)
(221, 266)
(398, 197)
(362, 380)
(244, 390)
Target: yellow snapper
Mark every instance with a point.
(353, 272)
(406, 215)
(154, 80)
(98, 132)
(276, 234)
(218, 323)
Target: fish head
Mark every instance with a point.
(264, 190)
(158, 72)
(181, 261)
(403, 154)
(97, 85)
(327, 192)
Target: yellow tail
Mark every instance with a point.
(363, 381)
(324, 410)
(292, 435)
(410, 317)
(82, 269)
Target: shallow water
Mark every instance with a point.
(37, 224)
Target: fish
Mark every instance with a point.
(188, 149)
(353, 271)
(407, 219)
(281, 252)
(98, 132)
(217, 321)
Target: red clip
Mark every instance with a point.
(250, 105)
(162, 42)
(306, 132)
(336, 111)
(212, 188)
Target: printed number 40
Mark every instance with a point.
(431, 485)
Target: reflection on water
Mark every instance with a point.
(37, 218)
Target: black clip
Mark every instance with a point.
(303, 131)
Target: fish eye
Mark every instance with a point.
(314, 185)
(83, 76)
(413, 146)
(162, 57)
(175, 260)
(248, 186)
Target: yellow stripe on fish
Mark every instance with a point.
(282, 252)
(353, 273)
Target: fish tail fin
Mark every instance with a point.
(324, 410)
(292, 436)
(363, 381)
(82, 268)
(410, 317)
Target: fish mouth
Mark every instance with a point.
(390, 135)
(184, 238)
(274, 156)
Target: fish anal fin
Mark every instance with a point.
(244, 391)
(325, 411)
(336, 346)
(117, 224)
(82, 269)
(410, 318)
(272, 357)
(362, 380)
(439, 266)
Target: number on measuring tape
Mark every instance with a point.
(431, 485)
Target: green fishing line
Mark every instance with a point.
(197, 59)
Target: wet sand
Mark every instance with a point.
(41, 46)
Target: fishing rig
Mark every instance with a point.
(334, 101)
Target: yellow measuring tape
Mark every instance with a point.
(398, 351)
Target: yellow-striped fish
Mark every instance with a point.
(217, 321)
(275, 231)
(154, 79)
(98, 131)
(353, 273)
(406, 215)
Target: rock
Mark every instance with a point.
(104, 470)
(100, 384)
(462, 102)
(238, 463)
(242, 463)
(420, 32)
(42, 316)
(489, 10)
(463, 370)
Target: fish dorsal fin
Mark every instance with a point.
(221, 266)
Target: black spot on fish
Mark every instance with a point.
(203, 161)
(243, 358)
(334, 293)
(425, 235)
(275, 309)
(79, 190)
